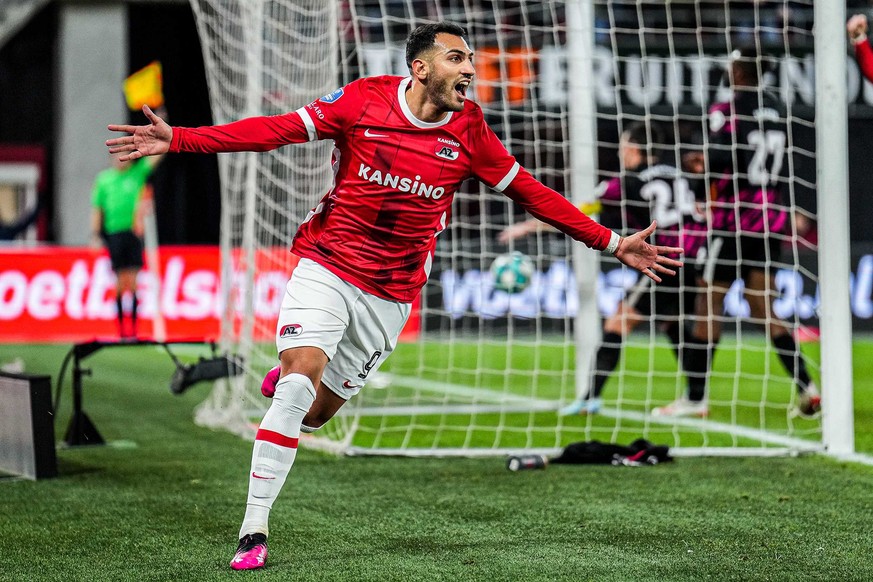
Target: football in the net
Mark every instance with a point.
(512, 272)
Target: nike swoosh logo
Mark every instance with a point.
(368, 133)
(256, 476)
(347, 385)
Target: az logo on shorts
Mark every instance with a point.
(291, 330)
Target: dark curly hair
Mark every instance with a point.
(424, 37)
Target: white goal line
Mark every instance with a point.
(503, 402)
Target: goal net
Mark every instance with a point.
(481, 371)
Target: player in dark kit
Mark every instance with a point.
(647, 190)
(748, 165)
(403, 148)
(650, 190)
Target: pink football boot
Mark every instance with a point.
(251, 552)
(268, 386)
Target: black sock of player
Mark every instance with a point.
(672, 332)
(607, 359)
(786, 347)
(133, 306)
(695, 361)
(120, 306)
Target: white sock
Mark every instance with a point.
(275, 449)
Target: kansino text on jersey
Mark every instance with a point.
(411, 185)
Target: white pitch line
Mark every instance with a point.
(440, 409)
(456, 389)
(500, 402)
(715, 426)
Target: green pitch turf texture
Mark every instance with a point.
(165, 499)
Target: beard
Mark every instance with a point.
(442, 93)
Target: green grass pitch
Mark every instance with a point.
(165, 500)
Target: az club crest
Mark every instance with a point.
(447, 153)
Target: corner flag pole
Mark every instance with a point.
(145, 87)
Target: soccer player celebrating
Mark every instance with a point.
(746, 159)
(404, 147)
(646, 190)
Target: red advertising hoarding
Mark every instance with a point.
(63, 294)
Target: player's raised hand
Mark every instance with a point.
(145, 140)
(648, 259)
(857, 27)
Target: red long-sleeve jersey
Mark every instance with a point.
(864, 54)
(395, 177)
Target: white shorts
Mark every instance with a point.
(356, 330)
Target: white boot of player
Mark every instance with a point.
(683, 407)
(808, 403)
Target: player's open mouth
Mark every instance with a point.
(461, 89)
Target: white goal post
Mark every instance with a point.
(482, 372)
(838, 420)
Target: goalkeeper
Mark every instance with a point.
(404, 147)
(646, 190)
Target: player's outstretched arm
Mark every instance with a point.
(145, 140)
(648, 259)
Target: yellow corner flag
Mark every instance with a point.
(145, 87)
